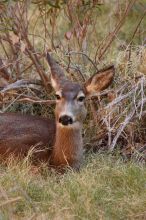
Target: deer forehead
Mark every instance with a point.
(71, 91)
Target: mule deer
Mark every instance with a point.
(59, 140)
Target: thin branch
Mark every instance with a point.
(23, 83)
(10, 201)
(45, 102)
(84, 54)
(112, 36)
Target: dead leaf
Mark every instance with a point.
(68, 35)
(22, 47)
(14, 38)
(3, 82)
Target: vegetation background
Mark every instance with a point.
(83, 36)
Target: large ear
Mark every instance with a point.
(100, 81)
(57, 74)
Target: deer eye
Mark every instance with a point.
(57, 96)
(81, 98)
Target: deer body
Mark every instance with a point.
(18, 133)
(57, 141)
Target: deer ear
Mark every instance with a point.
(99, 81)
(57, 73)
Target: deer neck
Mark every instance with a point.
(68, 147)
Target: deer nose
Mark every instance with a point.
(65, 120)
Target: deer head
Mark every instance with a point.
(70, 106)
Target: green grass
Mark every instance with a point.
(105, 188)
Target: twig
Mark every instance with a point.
(23, 83)
(5, 196)
(47, 102)
(10, 201)
(84, 54)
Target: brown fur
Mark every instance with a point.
(19, 133)
(68, 148)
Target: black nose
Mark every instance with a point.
(65, 120)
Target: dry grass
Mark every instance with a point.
(106, 188)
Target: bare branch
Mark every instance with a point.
(23, 83)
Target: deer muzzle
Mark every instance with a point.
(65, 120)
